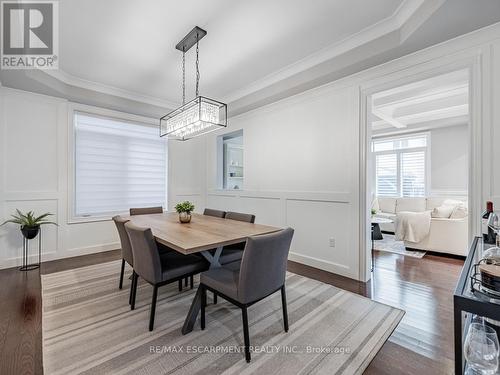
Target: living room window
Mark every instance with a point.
(118, 164)
(401, 165)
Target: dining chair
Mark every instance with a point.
(161, 248)
(234, 252)
(155, 268)
(214, 213)
(261, 273)
(146, 210)
(127, 256)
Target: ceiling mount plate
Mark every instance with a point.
(190, 39)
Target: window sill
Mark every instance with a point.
(91, 219)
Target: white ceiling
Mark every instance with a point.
(435, 102)
(129, 45)
(120, 54)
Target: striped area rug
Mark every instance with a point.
(88, 328)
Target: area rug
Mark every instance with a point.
(88, 328)
(389, 244)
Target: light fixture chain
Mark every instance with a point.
(197, 66)
(183, 77)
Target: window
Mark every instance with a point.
(401, 166)
(117, 165)
(231, 160)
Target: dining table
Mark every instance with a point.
(205, 235)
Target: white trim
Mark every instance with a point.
(72, 80)
(49, 255)
(337, 268)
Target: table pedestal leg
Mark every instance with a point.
(196, 304)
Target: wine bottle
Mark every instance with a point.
(489, 235)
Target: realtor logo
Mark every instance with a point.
(30, 34)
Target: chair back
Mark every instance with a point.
(146, 210)
(124, 240)
(214, 213)
(248, 218)
(263, 266)
(146, 257)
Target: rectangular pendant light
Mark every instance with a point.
(199, 116)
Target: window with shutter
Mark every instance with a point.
(401, 166)
(117, 165)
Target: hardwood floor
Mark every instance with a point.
(422, 343)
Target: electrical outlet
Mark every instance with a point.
(332, 242)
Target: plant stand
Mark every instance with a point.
(33, 266)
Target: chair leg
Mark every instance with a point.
(191, 282)
(131, 288)
(245, 333)
(215, 299)
(203, 305)
(153, 308)
(285, 312)
(134, 290)
(186, 281)
(180, 285)
(120, 286)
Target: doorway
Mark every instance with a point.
(418, 166)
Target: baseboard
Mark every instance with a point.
(54, 255)
(339, 269)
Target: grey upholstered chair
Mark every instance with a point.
(127, 255)
(158, 269)
(262, 273)
(214, 213)
(248, 218)
(234, 252)
(146, 210)
(161, 248)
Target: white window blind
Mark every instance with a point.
(400, 166)
(413, 174)
(387, 175)
(118, 165)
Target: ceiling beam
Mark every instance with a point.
(388, 118)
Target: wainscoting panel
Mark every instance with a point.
(30, 145)
(266, 210)
(316, 217)
(229, 202)
(322, 234)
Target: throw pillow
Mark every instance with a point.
(459, 212)
(443, 211)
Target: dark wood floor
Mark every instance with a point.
(422, 344)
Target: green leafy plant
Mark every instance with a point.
(29, 219)
(185, 206)
(374, 211)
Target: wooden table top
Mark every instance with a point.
(202, 233)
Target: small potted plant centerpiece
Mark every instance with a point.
(30, 224)
(184, 210)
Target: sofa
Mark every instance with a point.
(449, 221)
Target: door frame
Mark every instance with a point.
(472, 61)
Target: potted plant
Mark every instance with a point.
(374, 211)
(184, 210)
(30, 224)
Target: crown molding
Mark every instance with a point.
(401, 16)
(71, 80)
